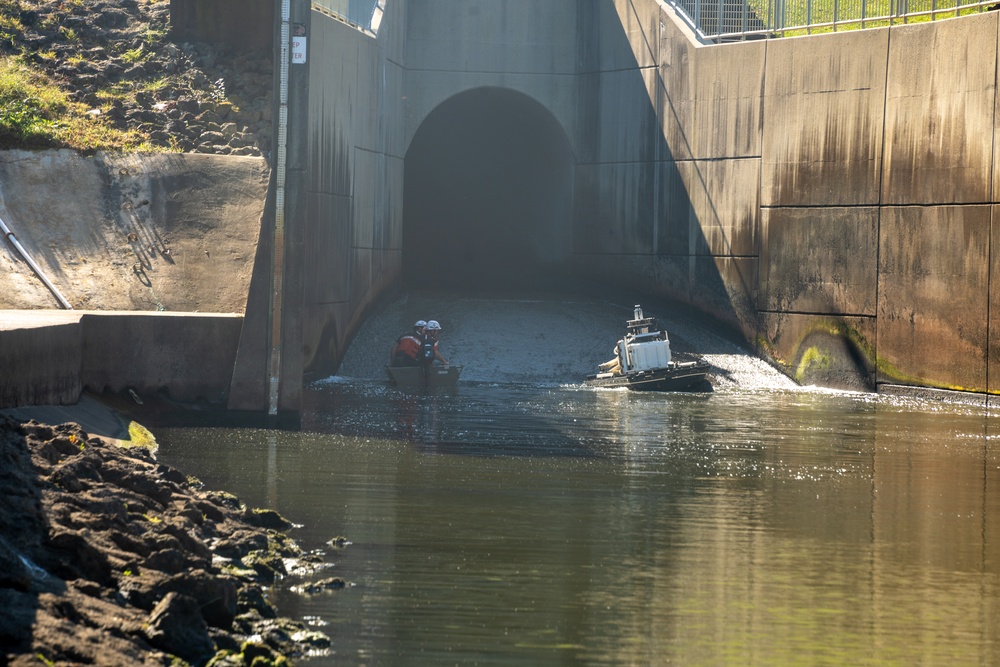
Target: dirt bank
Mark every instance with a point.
(108, 557)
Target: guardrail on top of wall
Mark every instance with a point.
(716, 21)
(365, 15)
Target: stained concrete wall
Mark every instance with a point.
(676, 209)
(50, 357)
(242, 23)
(354, 177)
(876, 185)
(829, 196)
(41, 356)
(521, 45)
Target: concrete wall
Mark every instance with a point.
(521, 45)
(354, 178)
(675, 191)
(876, 190)
(41, 354)
(161, 231)
(49, 357)
(367, 96)
(245, 24)
(829, 196)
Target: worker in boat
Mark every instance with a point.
(406, 351)
(430, 351)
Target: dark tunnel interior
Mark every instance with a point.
(488, 194)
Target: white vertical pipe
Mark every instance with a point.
(278, 258)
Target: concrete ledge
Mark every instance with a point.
(49, 358)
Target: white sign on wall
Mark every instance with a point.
(298, 50)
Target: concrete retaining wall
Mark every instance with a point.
(41, 354)
(245, 24)
(189, 355)
(50, 357)
(830, 196)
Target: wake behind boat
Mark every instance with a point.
(643, 361)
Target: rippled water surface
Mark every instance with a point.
(532, 524)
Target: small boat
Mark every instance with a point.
(421, 376)
(643, 361)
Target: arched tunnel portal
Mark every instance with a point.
(488, 195)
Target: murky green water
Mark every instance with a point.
(508, 524)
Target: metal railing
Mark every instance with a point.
(361, 14)
(736, 20)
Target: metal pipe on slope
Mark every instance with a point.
(34, 267)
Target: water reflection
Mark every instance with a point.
(503, 524)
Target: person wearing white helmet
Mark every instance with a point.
(430, 348)
(406, 351)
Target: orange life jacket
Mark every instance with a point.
(408, 345)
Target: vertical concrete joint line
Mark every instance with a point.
(763, 274)
(989, 245)
(878, 207)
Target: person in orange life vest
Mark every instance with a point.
(406, 351)
(430, 347)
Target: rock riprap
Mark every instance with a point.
(109, 557)
(117, 57)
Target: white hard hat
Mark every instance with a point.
(433, 325)
(420, 323)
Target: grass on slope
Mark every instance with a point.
(36, 112)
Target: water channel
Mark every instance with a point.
(528, 520)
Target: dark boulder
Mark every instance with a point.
(176, 626)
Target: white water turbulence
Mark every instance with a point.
(545, 339)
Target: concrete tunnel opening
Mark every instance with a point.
(488, 196)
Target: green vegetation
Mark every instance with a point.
(155, 36)
(133, 55)
(10, 26)
(806, 17)
(36, 112)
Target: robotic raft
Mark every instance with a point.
(643, 361)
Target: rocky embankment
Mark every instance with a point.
(108, 557)
(116, 56)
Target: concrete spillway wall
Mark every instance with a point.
(829, 196)
(864, 255)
